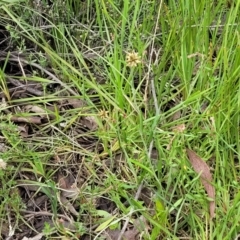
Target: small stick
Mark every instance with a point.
(17, 83)
(44, 213)
(35, 120)
(52, 76)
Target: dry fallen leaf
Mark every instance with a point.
(37, 237)
(90, 122)
(68, 187)
(3, 164)
(23, 129)
(114, 234)
(139, 225)
(3, 147)
(202, 168)
(36, 109)
(179, 128)
(77, 103)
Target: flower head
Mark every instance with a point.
(133, 59)
(103, 114)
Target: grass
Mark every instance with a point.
(105, 157)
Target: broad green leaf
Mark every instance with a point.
(105, 224)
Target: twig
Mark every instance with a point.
(53, 77)
(5, 55)
(45, 213)
(150, 68)
(3, 94)
(17, 83)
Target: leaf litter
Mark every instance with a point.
(201, 167)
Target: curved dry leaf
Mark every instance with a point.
(201, 167)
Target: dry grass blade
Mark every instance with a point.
(202, 168)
